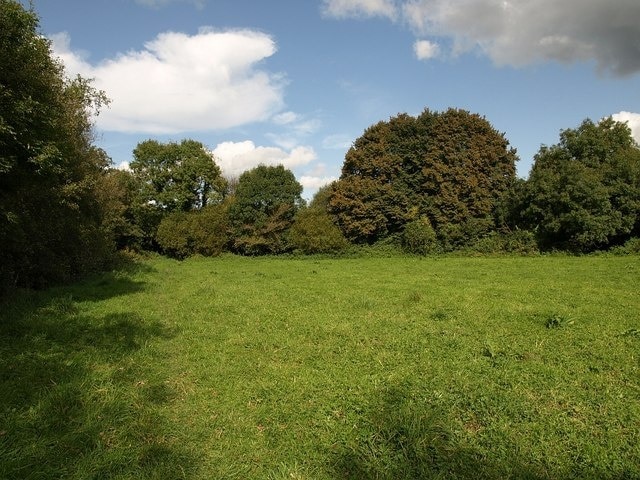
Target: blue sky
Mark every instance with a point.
(295, 82)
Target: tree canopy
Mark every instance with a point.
(450, 168)
(49, 167)
(584, 193)
(262, 210)
(178, 176)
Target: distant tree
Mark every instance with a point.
(119, 195)
(178, 176)
(198, 232)
(584, 193)
(449, 167)
(50, 225)
(314, 229)
(262, 210)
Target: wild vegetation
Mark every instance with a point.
(274, 368)
(438, 182)
(382, 355)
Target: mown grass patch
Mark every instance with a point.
(327, 368)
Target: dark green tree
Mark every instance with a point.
(449, 167)
(50, 225)
(119, 198)
(262, 210)
(583, 194)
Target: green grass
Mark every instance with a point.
(327, 368)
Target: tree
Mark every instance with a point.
(450, 168)
(314, 230)
(49, 168)
(119, 198)
(178, 176)
(584, 193)
(203, 232)
(262, 210)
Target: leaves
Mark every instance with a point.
(263, 208)
(449, 167)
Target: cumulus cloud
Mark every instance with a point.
(181, 82)
(359, 8)
(124, 166)
(311, 183)
(233, 158)
(521, 32)
(425, 50)
(631, 119)
(315, 178)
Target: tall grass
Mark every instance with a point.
(327, 368)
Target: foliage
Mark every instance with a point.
(49, 168)
(262, 210)
(630, 247)
(313, 231)
(118, 194)
(451, 167)
(203, 232)
(178, 176)
(519, 242)
(583, 194)
(419, 237)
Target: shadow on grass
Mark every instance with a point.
(78, 394)
(405, 438)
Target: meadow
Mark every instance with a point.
(320, 368)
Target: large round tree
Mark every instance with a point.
(262, 210)
(583, 194)
(450, 167)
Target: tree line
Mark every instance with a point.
(436, 182)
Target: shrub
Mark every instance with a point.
(518, 241)
(419, 237)
(204, 232)
(631, 247)
(313, 231)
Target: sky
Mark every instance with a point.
(295, 82)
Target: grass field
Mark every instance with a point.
(327, 368)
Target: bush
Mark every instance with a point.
(419, 237)
(313, 231)
(521, 242)
(202, 232)
(631, 247)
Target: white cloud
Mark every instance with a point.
(426, 50)
(632, 119)
(520, 32)
(181, 82)
(124, 166)
(311, 184)
(337, 141)
(316, 177)
(233, 158)
(285, 118)
(360, 8)
(295, 128)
